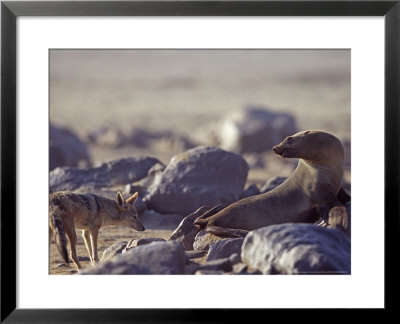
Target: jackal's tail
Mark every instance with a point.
(59, 234)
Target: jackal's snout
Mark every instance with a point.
(136, 224)
(138, 227)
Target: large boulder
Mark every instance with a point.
(225, 248)
(297, 249)
(66, 149)
(198, 177)
(153, 220)
(224, 265)
(154, 258)
(204, 240)
(117, 172)
(133, 243)
(255, 130)
(272, 183)
(113, 251)
(114, 137)
(251, 190)
(220, 265)
(193, 255)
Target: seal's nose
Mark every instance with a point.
(275, 149)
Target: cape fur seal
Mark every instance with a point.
(312, 189)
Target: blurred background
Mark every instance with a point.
(128, 103)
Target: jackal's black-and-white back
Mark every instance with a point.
(69, 211)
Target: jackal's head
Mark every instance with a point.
(128, 214)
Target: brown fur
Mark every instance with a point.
(313, 185)
(69, 211)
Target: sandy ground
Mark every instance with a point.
(189, 92)
(107, 237)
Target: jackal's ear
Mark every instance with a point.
(119, 199)
(132, 199)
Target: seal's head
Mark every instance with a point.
(311, 145)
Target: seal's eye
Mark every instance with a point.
(289, 140)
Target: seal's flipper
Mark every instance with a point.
(202, 221)
(213, 211)
(343, 196)
(226, 232)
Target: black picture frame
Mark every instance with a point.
(10, 10)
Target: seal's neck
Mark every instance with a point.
(336, 163)
(315, 172)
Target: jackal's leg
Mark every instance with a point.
(94, 232)
(86, 238)
(72, 241)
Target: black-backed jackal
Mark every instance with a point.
(88, 212)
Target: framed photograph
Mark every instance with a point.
(131, 107)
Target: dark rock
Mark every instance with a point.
(112, 251)
(242, 269)
(225, 248)
(255, 160)
(141, 137)
(131, 188)
(174, 142)
(346, 186)
(297, 249)
(191, 268)
(190, 255)
(219, 264)
(147, 240)
(209, 272)
(186, 231)
(66, 149)
(239, 268)
(235, 258)
(114, 137)
(198, 177)
(141, 241)
(153, 258)
(142, 185)
(153, 175)
(204, 240)
(253, 271)
(140, 206)
(109, 193)
(241, 131)
(347, 153)
(117, 172)
(153, 220)
(272, 184)
(215, 265)
(250, 191)
(107, 136)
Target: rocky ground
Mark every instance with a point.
(140, 109)
(107, 237)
